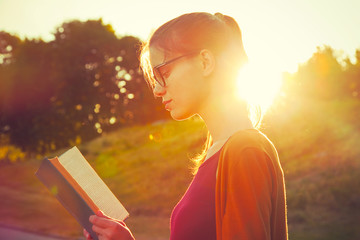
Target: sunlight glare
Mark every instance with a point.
(259, 84)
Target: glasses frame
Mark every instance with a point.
(156, 69)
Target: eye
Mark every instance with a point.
(165, 74)
(165, 71)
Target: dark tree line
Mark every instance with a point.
(85, 82)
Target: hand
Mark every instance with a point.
(87, 235)
(108, 228)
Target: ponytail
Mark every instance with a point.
(235, 38)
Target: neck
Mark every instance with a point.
(225, 116)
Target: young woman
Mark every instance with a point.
(238, 192)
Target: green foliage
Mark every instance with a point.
(314, 125)
(67, 91)
(106, 165)
(10, 153)
(72, 89)
(323, 77)
(146, 163)
(151, 163)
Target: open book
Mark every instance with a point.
(78, 188)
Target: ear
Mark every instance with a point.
(208, 62)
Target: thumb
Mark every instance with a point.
(100, 213)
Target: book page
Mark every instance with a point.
(56, 163)
(75, 163)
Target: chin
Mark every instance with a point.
(180, 116)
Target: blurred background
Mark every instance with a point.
(69, 75)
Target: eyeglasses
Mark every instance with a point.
(159, 76)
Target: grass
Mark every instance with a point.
(148, 169)
(320, 154)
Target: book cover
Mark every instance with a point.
(76, 185)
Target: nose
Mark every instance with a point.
(158, 90)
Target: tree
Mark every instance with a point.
(86, 81)
(318, 78)
(352, 76)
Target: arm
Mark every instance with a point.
(108, 228)
(245, 184)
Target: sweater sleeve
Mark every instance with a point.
(246, 187)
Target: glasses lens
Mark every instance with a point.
(158, 77)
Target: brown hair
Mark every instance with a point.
(195, 31)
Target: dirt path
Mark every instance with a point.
(7, 233)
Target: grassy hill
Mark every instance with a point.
(148, 169)
(319, 147)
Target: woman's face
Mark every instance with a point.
(186, 88)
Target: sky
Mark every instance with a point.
(278, 35)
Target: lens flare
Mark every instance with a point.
(259, 84)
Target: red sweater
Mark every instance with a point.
(250, 190)
(193, 218)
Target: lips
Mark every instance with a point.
(166, 103)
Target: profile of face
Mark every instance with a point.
(191, 60)
(186, 88)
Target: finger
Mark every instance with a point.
(100, 213)
(102, 232)
(101, 221)
(121, 222)
(116, 232)
(87, 235)
(98, 230)
(101, 237)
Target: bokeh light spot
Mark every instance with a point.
(112, 120)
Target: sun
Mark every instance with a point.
(259, 83)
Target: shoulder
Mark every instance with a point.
(250, 138)
(246, 145)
